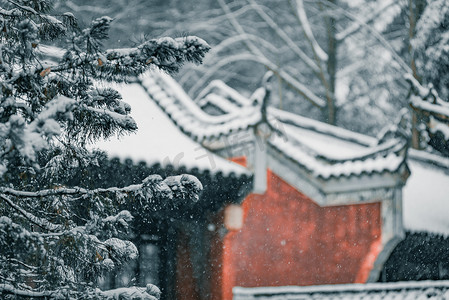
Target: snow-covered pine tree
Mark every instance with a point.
(56, 240)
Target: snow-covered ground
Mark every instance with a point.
(426, 198)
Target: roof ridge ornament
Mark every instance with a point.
(400, 129)
(262, 132)
(264, 128)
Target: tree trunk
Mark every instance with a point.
(331, 68)
(416, 140)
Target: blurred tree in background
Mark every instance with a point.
(338, 61)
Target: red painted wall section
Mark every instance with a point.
(287, 239)
(241, 160)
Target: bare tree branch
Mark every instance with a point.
(355, 27)
(213, 58)
(302, 89)
(281, 33)
(317, 50)
(375, 33)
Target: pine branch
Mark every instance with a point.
(11, 290)
(171, 187)
(56, 27)
(67, 191)
(165, 53)
(15, 12)
(48, 96)
(18, 262)
(41, 222)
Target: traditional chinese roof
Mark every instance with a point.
(222, 98)
(229, 131)
(329, 164)
(330, 152)
(189, 117)
(385, 291)
(339, 168)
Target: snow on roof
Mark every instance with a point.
(324, 150)
(219, 101)
(189, 117)
(385, 291)
(345, 168)
(348, 155)
(426, 193)
(159, 141)
(319, 142)
(329, 151)
(219, 88)
(340, 133)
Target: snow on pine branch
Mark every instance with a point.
(102, 123)
(153, 195)
(31, 137)
(182, 188)
(41, 222)
(166, 53)
(150, 292)
(49, 27)
(57, 229)
(8, 289)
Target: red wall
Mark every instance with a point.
(287, 239)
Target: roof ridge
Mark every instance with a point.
(189, 117)
(321, 127)
(222, 86)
